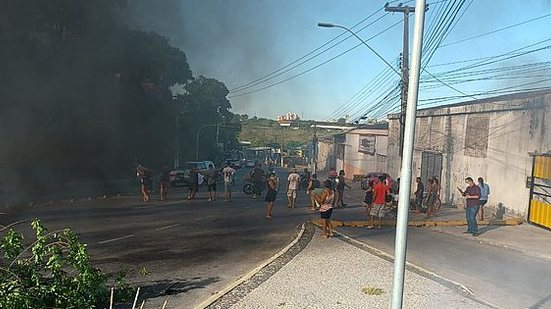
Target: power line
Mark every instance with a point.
(289, 68)
(496, 30)
(312, 68)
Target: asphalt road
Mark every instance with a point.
(502, 277)
(182, 249)
(187, 250)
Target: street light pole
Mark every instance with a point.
(407, 153)
(329, 25)
(400, 244)
(218, 126)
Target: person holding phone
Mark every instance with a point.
(472, 204)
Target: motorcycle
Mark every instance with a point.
(249, 187)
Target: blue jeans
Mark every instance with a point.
(472, 226)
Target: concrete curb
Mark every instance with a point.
(209, 301)
(424, 223)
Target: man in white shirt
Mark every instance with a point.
(292, 187)
(484, 195)
(227, 174)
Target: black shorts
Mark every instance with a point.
(326, 214)
(270, 196)
(194, 187)
(482, 202)
(211, 188)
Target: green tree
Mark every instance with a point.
(204, 105)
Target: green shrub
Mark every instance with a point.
(54, 271)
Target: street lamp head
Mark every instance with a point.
(326, 25)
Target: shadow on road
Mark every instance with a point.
(173, 287)
(541, 303)
(487, 228)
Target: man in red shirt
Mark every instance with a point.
(472, 203)
(379, 199)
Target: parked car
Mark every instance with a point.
(180, 175)
(375, 178)
(209, 163)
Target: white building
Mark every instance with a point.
(489, 138)
(356, 151)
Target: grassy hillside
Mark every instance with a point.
(266, 132)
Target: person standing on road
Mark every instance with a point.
(484, 193)
(163, 184)
(144, 175)
(419, 195)
(326, 200)
(341, 183)
(368, 200)
(193, 183)
(305, 179)
(472, 196)
(271, 185)
(436, 188)
(379, 200)
(212, 178)
(257, 178)
(292, 187)
(311, 190)
(228, 174)
(431, 196)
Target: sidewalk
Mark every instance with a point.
(510, 233)
(525, 238)
(331, 273)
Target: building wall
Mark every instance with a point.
(360, 163)
(326, 158)
(490, 140)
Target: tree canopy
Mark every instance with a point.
(83, 95)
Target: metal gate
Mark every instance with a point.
(539, 211)
(431, 165)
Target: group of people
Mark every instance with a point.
(431, 200)
(211, 177)
(476, 197)
(324, 197)
(145, 177)
(379, 193)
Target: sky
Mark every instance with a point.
(240, 41)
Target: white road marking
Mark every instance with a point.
(201, 218)
(115, 239)
(167, 227)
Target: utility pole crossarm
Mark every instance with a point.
(399, 9)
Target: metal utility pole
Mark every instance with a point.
(315, 149)
(405, 65)
(407, 158)
(177, 154)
